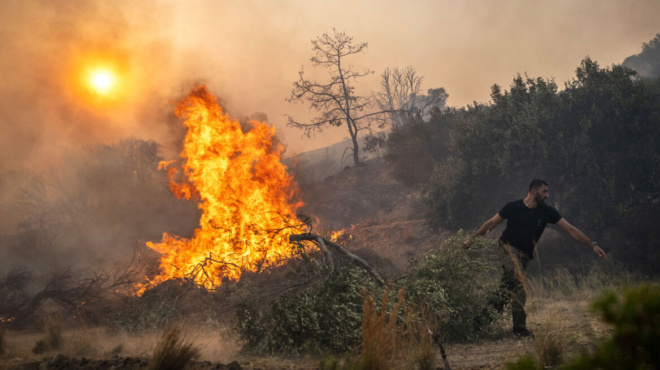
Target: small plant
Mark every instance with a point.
(394, 336)
(173, 352)
(381, 332)
(553, 342)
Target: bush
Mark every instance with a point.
(327, 316)
(456, 286)
(635, 316)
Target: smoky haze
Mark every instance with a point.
(249, 53)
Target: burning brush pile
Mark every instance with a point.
(248, 224)
(247, 198)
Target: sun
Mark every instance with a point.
(102, 81)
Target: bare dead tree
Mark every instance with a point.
(335, 100)
(402, 99)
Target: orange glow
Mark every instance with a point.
(103, 81)
(343, 233)
(100, 80)
(247, 198)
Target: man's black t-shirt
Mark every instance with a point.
(524, 225)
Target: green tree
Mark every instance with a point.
(646, 63)
(597, 143)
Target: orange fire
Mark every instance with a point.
(247, 198)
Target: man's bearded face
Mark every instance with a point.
(541, 195)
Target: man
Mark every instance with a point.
(526, 220)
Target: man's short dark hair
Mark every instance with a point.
(537, 183)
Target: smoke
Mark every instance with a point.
(46, 44)
(72, 195)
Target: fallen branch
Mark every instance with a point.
(324, 242)
(436, 339)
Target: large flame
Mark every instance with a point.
(248, 200)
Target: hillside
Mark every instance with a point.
(382, 218)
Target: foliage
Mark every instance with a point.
(413, 149)
(646, 63)
(526, 362)
(456, 286)
(635, 317)
(327, 316)
(597, 143)
(394, 335)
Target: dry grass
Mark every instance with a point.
(554, 341)
(395, 339)
(173, 351)
(560, 330)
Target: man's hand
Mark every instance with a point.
(599, 252)
(485, 228)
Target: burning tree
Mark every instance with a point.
(247, 198)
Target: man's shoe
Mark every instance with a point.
(523, 333)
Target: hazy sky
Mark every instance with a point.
(250, 52)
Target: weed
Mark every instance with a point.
(394, 336)
(380, 332)
(173, 351)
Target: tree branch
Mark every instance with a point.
(356, 259)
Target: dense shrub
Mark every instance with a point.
(455, 286)
(450, 286)
(327, 316)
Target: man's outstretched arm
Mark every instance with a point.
(486, 227)
(578, 235)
